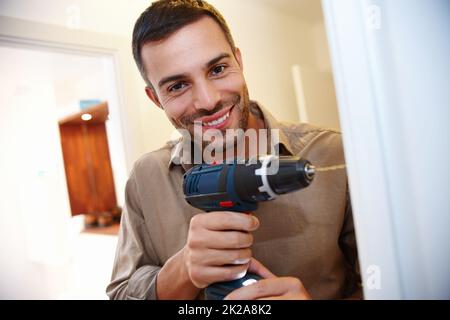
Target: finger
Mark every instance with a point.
(259, 269)
(287, 297)
(299, 295)
(274, 288)
(214, 257)
(261, 289)
(204, 276)
(226, 220)
(220, 240)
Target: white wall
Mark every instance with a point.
(38, 88)
(34, 206)
(392, 69)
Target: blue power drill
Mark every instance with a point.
(239, 187)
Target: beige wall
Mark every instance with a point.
(272, 39)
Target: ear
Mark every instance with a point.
(238, 56)
(153, 96)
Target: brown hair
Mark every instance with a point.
(164, 17)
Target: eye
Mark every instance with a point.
(218, 70)
(177, 87)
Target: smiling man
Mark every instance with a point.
(302, 244)
(198, 81)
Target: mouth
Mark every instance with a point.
(216, 121)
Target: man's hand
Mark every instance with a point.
(218, 246)
(271, 287)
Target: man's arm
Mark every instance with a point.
(138, 273)
(136, 265)
(217, 249)
(173, 281)
(150, 281)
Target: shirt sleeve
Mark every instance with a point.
(135, 266)
(347, 242)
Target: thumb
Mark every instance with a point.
(258, 268)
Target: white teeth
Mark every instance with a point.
(218, 121)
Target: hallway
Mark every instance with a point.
(90, 266)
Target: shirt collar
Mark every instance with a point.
(284, 147)
(272, 123)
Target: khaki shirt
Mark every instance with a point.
(307, 234)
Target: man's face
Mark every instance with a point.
(197, 78)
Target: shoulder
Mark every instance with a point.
(305, 137)
(151, 163)
(307, 130)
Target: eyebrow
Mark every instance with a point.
(180, 76)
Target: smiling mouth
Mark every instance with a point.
(219, 121)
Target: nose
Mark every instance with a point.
(206, 95)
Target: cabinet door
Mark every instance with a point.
(88, 168)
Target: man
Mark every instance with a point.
(302, 244)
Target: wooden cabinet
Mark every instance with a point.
(87, 162)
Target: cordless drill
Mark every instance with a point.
(239, 187)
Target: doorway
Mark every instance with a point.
(39, 238)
